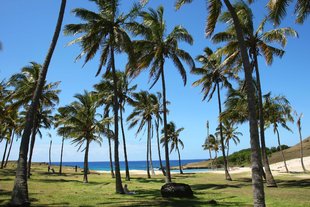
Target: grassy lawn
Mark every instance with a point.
(68, 190)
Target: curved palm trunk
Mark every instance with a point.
(301, 150)
(257, 180)
(148, 149)
(7, 157)
(180, 164)
(85, 178)
(118, 178)
(61, 154)
(227, 175)
(158, 148)
(269, 177)
(20, 190)
(3, 159)
(168, 174)
(124, 144)
(282, 153)
(33, 139)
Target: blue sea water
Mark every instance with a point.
(133, 165)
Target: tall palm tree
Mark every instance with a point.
(212, 75)
(152, 51)
(214, 10)
(278, 8)
(211, 144)
(82, 125)
(278, 112)
(259, 42)
(20, 189)
(105, 31)
(300, 139)
(141, 116)
(173, 138)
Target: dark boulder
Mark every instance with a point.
(180, 190)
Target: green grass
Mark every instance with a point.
(68, 190)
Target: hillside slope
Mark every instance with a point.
(291, 153)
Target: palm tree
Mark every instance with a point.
(105, 91)
(212, 76)
(258, 42)
(214, 10)
(300, 139)
(230, 133)
(60, 119)
(24, 84)
(277, 10)
(278, 112)
(142, 115)
(152, 52)
(82, 125)
(44, 119)
(104, 31)
(173, 138)
(20, 190)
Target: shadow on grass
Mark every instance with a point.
(3, 197)
(305, 183)
(7, 172)
(159, 201)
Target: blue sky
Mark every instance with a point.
(26, 31)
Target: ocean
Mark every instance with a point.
(133, 165)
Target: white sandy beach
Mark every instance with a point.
(293, 165)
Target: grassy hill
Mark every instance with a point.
(292, 152)
(242, 157)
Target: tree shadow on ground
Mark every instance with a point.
(3, 197)
(7, 172)
(214, 186)
(305, 183)
(148, 180)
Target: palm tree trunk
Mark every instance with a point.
(50, 154)
(211, 158)
(148, 149)
(85, 178)
(151, 159)
(180, 164)
(61, 153)
(158, 148)
(282, 153)
(7, 157)
(124, 144)
(3, 159)
(269, 177)
(33, 139)
(227, 175)
(257, 180)
(118, 178)
(20, 190)
(301, 150)
(110, 155)
(168, 175)
(227, 150)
